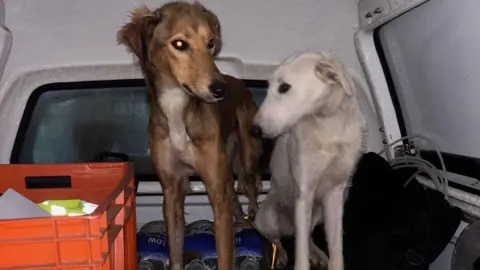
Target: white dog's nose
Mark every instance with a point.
(256, 131)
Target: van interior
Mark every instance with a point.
(70, 94)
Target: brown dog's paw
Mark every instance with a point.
(252, 209)
(241, 187)
(187, 188)
(259, 185)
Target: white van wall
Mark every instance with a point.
(57, 32)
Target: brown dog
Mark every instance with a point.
(196, 114)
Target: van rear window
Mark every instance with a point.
(92, 121)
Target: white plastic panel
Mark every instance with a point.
(433, 55)
(372, 13)
(6, 39)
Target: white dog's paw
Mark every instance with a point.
(335, 264)
(318, 259)
(282, 257)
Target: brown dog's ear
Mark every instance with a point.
(330, 72)
(138, 32)
(214, 24)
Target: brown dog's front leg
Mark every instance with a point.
(249, 174)
(212, 166)
(173, 201)
(173, 214)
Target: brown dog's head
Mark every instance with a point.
(178, 41)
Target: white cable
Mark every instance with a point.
(420, 170)
(440, 181)
(424, 166)
(421, 162)
(421, 137)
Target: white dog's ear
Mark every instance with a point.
(330, 73)
(327, 73)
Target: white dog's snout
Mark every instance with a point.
(264, 125)
(256, 119)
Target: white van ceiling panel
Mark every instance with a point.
(57, 32)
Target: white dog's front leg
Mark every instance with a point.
(303, 221)
(307, 174)
(333, 209)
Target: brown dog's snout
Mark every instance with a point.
(218, 89)
(256, 131)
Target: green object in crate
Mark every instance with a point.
(68, 207)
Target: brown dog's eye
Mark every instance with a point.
(180, 45)
(283, 88)
(211, 44)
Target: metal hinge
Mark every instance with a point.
(407, 149)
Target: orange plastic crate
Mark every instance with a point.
(103, 240)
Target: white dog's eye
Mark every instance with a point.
(283, 88)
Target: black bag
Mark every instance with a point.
(388, 227)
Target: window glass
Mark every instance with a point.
(430, 57)
(75, 124)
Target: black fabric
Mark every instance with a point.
(476, 264)
(389, 227)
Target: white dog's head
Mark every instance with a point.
(306, 83)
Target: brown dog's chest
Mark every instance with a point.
(182, 124)
(173, 104)
(178, 148)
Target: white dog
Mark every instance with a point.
(311, 108)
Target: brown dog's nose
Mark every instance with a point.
(256, 131)
(218, 89)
